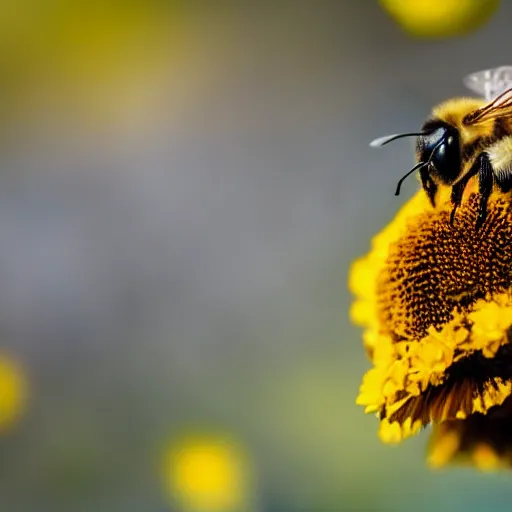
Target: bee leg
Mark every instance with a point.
(457, 193)
(486, 181)
(429, 185)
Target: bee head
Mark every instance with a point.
(439, 147)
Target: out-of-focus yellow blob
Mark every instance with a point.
(440, 18)
(207, 475)
(94, 57)
(12, 392)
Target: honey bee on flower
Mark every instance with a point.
(433, 294)
(467, 138)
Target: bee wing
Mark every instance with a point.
(501, 106)
(490, 83)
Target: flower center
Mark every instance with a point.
(436, 268)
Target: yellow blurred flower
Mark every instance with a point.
(440, 18)
(96, 57)
(207, 474)
(435, 303)
(12, 392)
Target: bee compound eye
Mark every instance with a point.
(446, 159)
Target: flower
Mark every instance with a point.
(435, 19)
(206, 473)
(435, 302)
(484, 441)
(13, 392)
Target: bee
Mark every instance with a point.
(466, 138)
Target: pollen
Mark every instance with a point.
(434, 300)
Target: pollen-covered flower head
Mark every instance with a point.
(435, 301)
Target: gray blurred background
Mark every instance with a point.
(176, 233)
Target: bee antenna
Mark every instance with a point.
(382, 141)
(408, 173)
(418, 166)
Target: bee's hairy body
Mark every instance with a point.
(465, 139)
(455, 150)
